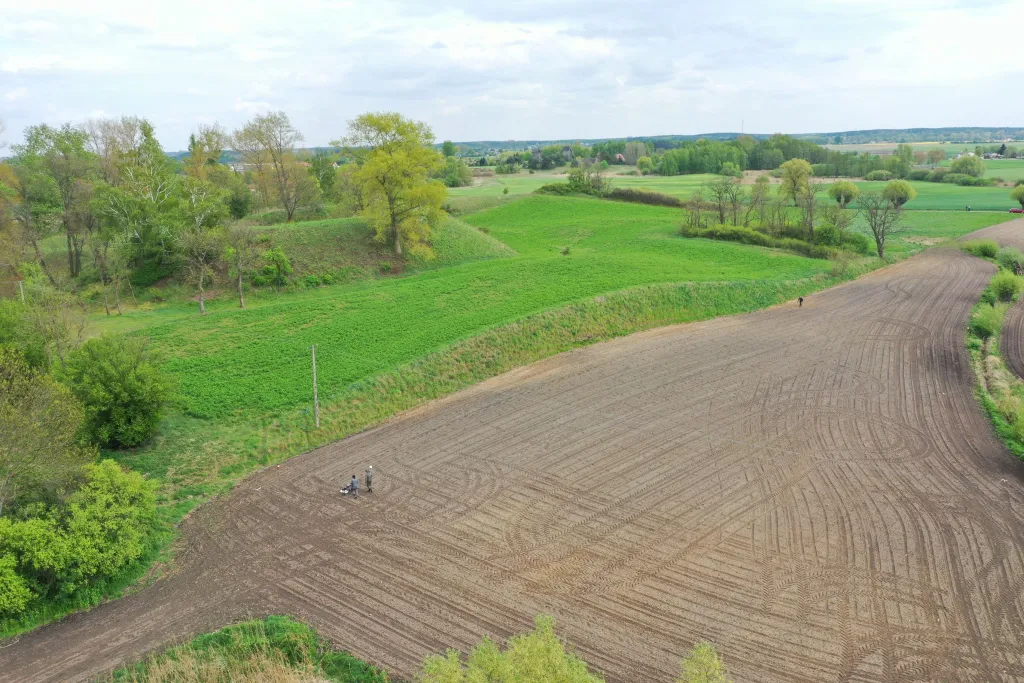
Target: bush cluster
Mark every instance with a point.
(986, 321)
(735, 233)
(879, 175)
(1006, 286)
(1009, 258)
(981, 248)
(57, 552)
(121, 387)
(625, 194)
(561, 189)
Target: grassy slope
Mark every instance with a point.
(277, 649)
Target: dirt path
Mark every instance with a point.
(1012, 342)
(815, 489)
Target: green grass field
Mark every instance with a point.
(234, 361)
(1010, 170)
(931, 196)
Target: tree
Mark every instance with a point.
(396, 160)
(32, 201)
(267, 142)
(905, 153)
(456, 173)
(970, 165)
(843, 192)
(920, 157)
(205, 147)
(721, 189)
(807, 199)
(448, 149)
(795, 173)
(935, 156)
(198, 250)
(1017, 194)
(759, 192)
(730, 169)
(323, 168)
(242, 254)
(633, 151)
(58, 317)
(703, 665)
(898, 192)
(279, 263)
(295, 187)
(535, 656)
(39, 427)
(121, 387)
(644, 164)
(587, 179)
(60, 154)
(883, 218)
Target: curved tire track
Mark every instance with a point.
(815, 489)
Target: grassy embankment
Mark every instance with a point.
(273, 650)
(1000, 393)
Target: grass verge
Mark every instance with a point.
(1000, 393)
(273, 650)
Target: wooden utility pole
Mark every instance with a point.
(316, 401)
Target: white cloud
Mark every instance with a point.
(544, 68)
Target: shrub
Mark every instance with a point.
(278, 267)
(729, 168)
(938, 175)
(624, 194)
(968, 165)
(828, 235)
(703, 665)
(1009, 258)
(986, 321)
(539, 655)
(919, 174)
(122, 388)
(554, 188)
(898, 192)
(735, 233)
(981, 248)
(1006, 286)
(878, 175)
(854, 241)
(956, 178)
(101, 530)
(822, 170)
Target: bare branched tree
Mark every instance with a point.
(883, 218)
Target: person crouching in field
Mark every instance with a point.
(368, 477)
(353, 487)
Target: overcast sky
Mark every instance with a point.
(477, 69)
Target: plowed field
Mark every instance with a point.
(814, 489)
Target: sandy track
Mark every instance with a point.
(815, 490)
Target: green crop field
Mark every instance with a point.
(232, 361)
(1010, 170)
(948, 197)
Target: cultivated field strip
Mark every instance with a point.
(1011, 344)
(814, 489)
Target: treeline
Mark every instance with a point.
(956, 135)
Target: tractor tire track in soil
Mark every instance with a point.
(814, 489)
(1012, 342)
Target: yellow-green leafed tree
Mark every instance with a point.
(795, 175)
(703, 665)
(395, 161)
(535, 657)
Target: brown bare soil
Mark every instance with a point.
(1012, 342)
(814, 489)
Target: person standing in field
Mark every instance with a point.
(353, 487)
(369, 479)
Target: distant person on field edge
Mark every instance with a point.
(369, 479)
(801, 304)
(353, 487)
